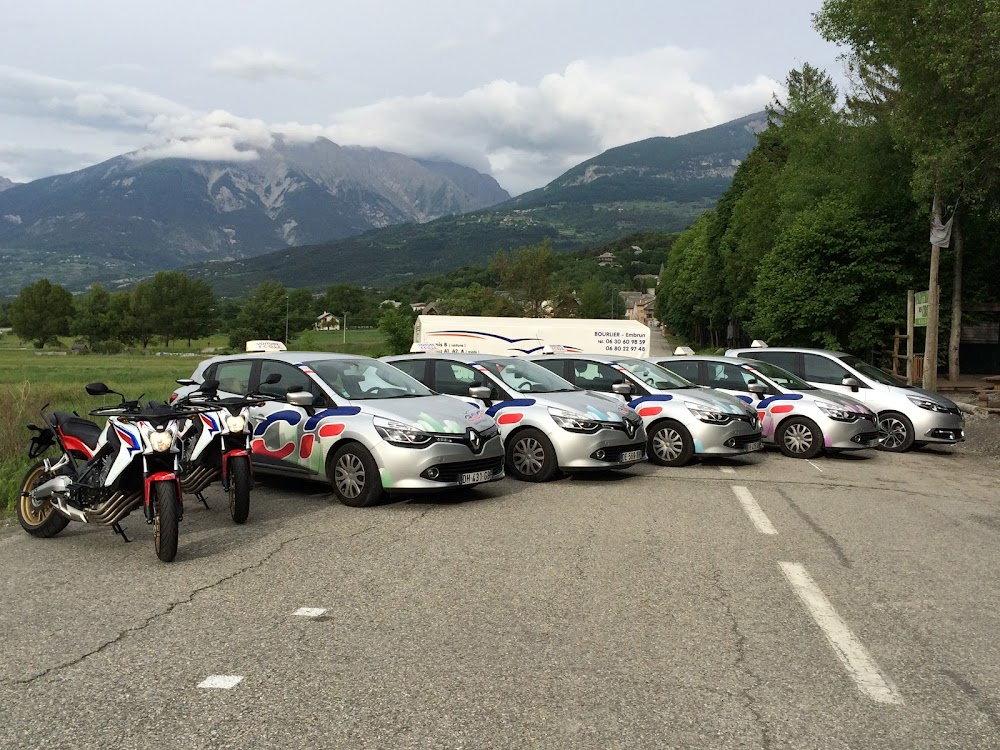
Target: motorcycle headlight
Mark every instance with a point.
(160, 440)
(926, 403)
(574, 422)
(402, 435)
(833, 411)
(707, 413)
(236, 424)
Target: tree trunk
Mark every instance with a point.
(955, 337)
(931, 344)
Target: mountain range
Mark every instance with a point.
(314, 214)
(6, 183)
(129, 217)
(658, 184)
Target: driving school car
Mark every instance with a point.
(681, 419)
(360, 424)
(546, 423)
(800, 418)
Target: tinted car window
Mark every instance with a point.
(785, 360)
(292, 379)
(234, 377)
(596, 376)
(687, 370)
(822, 370)
(731, 377)
(454, 378)
(556, 366)
(415, 368)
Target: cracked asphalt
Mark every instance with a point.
(633, 610)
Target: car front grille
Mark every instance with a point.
(742, 441)
(865, 437)
(452, 472)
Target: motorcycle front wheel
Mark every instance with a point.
(239, 488)
(166, 518)
(38, 517)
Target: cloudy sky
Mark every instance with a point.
(521, 89)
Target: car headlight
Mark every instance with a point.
(833, 411)
(926, 403)
(707, 413)
(402, 435)
(160, 440)
(574, 422)
(236, 424)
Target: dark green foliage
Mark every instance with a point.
(396, 325)
(262, 316)
(41, 313)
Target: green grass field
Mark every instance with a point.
(30, 378)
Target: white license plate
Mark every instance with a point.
(755, 446)
(632, 456)
(475, 477)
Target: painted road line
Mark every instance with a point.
(859, 664)
(309, 612)
(761, 521)
(814, 466)
(727, 469)
(221, 681)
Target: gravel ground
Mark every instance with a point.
(982, 434)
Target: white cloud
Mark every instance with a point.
(255, 64)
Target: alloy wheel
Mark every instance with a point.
(891, 432)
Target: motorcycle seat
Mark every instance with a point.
(83, 429)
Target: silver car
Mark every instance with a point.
(907, 416)
(547, 424)
(801, 419)
(682, 420)
(362, 425)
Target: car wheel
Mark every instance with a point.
(799, 437)
(354, 476)
(670, 444)
(530, 456)
(895, 432)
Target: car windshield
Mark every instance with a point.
(780, 376)
(871, 371)
(527, 377)
(367, 379)
(654, 375)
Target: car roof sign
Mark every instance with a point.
(265, 345)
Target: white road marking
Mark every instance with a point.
(727, 469)
(309, 611)
(221, 681)
(814, 466)
(852, 654)
(760, 520)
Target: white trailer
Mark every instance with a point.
(521, 336)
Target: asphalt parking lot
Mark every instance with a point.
(760, 602)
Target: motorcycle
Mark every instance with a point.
(102, 475)
(216, 443)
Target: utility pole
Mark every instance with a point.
(286, 318)
(345, 326)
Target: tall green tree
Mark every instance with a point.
(527, 275)
(95, 320)
(41, 313)
(396, 325)
(262, 315)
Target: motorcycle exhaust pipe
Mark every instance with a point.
(55, 485)
(114, 509)
(73, 514)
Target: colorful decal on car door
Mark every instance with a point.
(509, 408)
(647, 406)
(773, 409)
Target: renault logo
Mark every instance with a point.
(629, 428)
(475, 440)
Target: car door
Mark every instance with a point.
(278, 427)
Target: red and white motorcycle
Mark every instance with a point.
(102, 475)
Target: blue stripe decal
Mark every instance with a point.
(662, 397)
(512, 404)
(292, 417)
(780, 397)
(745, 399)
(340, 411)
(488, 335)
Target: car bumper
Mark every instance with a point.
(601, 450)
(734, 438)
(439, 466)
(934, 427)
(862, 433)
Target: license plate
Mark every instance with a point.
(755, 446)
(632, 456)
(475, 477)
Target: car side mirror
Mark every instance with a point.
(622, 389)
(757, 389)
(300, 398)
(480, 392)
(851, 383)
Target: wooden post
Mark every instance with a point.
(933, 305)
(910, 344)
(895, 352)
(955, 335)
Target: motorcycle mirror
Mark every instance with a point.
(185, 381)
(98, 389)
(273, 379)
(209, 385)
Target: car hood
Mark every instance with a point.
(937, 398)
(437, 413)
(719, 401)
(598, 405)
